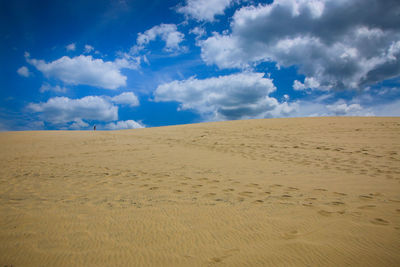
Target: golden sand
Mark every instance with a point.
(274, 192)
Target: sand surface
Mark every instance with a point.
(275, 192)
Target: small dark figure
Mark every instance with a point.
(94, 128)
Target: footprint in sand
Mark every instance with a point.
(379, 221)
(377, 194)
(336, 203)
(293, 188)
(210, 195)
(320, 189)
(228, 190)
(325, 213)
(226, 254)
(252, 185)
(216, 260)
(246, 193)
(339, 194)
(365, 207)
(310, 198)
(153, 188)
(258, 201)
(178, 191)
(240, 199)
(276, 185)
(290, 235)
(366, 197)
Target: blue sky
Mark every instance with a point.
(129, 64)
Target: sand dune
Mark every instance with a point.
(275, 192)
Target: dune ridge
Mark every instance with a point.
(270, 192)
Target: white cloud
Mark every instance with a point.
(335, 43)
(88, 48)
(119, 125)
(198, 31)
(62, 110)
(127, 98)
(317, 108)
(236, 96)
(297, 85)
(222, 50)
(167, 32)
(23, 71)
(127, 61)
(309, 83)
(47, 87)
(204, 10)
(71, 47)
(344, 109)
(76, 113)
(78, 125)
(286, 97)
(82, 70)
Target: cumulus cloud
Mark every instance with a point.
(309, 83)
(62, 110)
(78, 125)
(88, 48)
(318, 108)
(237, 96)
(120, 125)
(23, 71)
(286, 97)
(76, 113)
(71, 47)
(127, 61)
(341, 109)
(335, 43)
(82, 70)
(199, 32)
(204, 10)
(127, 98)
(47, 87)
(167, 32)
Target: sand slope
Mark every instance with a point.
(277, 192)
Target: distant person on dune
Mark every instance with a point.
(94, 128)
